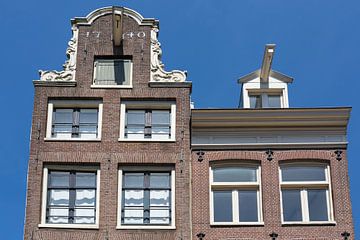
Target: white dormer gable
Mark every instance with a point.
(265, 88)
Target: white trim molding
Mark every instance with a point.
(44, 199)
(91, 17)
(151, 105)
(173, 195)
(53, 104)
(234, 187)
(303, 187)
(69, 67)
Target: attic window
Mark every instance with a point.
(112, 73)
(265, 100)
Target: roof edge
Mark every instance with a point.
(92, 16)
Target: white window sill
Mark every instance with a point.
(145, 227)
(145, 140)
(111, 86)
(74, 226)
(310, 223)
(237, 224)
(74, 139)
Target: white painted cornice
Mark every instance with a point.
(280, 118)
(91, 17)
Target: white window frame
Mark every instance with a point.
(53, 104)
(43, 223)
(234, 187)
(152, 105)
(140, 169)
(304, 186)
(130, 85)
(264, 94)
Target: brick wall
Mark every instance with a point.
(271, 197)
(109, 153)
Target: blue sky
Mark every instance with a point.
(215, 41)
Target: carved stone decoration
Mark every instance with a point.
(158, 74)
(68, 74)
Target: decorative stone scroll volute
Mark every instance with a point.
(68, 74)
(158, 74)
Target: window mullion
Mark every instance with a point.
(235, 206)
(146, 203)
(304, 205)
(147, 130)
(72, 196)
(76, 122)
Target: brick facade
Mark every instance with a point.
(109, 153)
(271, 196)
(192, 176)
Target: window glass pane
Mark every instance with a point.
(88, 115)
(160, 132)
(159, 180)
(159, 216)
(133, 216)
(84, 179)
(159, 198)
(235, 174)
(58, 215)
(59, 179)
(291, 201)
(63, 115)
(119, 72)
(160, 117)
(135, 117)
(84, 215)
(59, 197)
(248, 208)
(85, 197)
(135, 130)
(255, 101)
(134, 198)
(274, 101)
(317, 205)
(303, 173)
(113, 72)
(222, 206)
(62, 128)
(134, 180)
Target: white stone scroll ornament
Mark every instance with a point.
(158, 74)
(68, 74)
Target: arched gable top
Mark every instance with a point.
(91, 17)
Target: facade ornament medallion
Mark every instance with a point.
(158, 74)
(68, 74)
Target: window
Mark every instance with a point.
(70, 197)
(112, 73)
(74, 120)
(146, 198)
(305, 193)
(147, 121)
(265, 100)
(235, 194)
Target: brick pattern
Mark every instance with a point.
(109, 153)
(271, 196)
